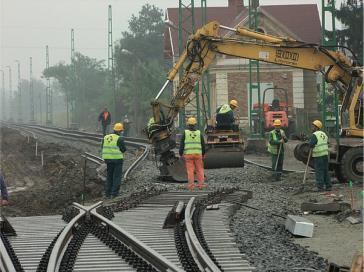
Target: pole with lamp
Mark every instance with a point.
(3, 112)
(20, 113)
(10, 94)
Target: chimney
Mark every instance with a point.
(238, 5)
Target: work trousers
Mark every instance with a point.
(322, 172)
(114, 175)
(194, 162)
(277, 172)
(280, 162)
(105, 129)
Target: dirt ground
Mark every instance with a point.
(337, 241)
(35, 189)
(334, 240)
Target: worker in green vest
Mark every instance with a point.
(320, 154)
(192, 148)
(113, 148)
(277, 138)
(225, 116)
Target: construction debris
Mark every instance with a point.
(353, 220)
(299, 226)
(325, 207)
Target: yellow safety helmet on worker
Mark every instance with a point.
(118, 127)
(233, 103)
(192, 121)
(317, 123)
(277, 123)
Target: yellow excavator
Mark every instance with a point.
(201, 50)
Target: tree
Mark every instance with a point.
(350, 15)
(85, 85)
(139, 64)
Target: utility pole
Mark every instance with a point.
(205, 79)
(110, 59)
(328, 10)
(40, 108)
(49, 110)
(10, 95)
(19, 94)
(255, 124)
(31, 91)
(3, 117)
(73, 75)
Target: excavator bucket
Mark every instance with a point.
(177, 171)
(225, 149)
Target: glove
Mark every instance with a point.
(4, 202)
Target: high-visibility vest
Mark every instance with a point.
(150, 122)
(225, 108)
(192, 142)
(273, 149)
(322, 147)
(110, 149)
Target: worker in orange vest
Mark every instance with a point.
(105, 119)
(192, 147)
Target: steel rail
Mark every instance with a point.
(138, 142)
(201, 258)
(62, 242)
(6, 263)
(135, 142)
(140, 248)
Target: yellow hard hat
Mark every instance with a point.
(317, 123)
(118, 127)
(191, 121)
(233, 103)
(277, 122)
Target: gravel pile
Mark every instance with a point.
(260, 235)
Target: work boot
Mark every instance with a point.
(191, 186)
(201, 185)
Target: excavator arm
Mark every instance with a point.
(201, 50)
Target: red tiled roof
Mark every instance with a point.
(301, 20)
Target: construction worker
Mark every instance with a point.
(277, 138)
(149, 129)
(113, 148)
(320, 154)
(105, 119)
(126, 124)
(192, 147)
(225, 116)
(4, 191)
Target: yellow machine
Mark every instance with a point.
(201, 50)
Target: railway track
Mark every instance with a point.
(169, 232)
(132, 141)
(89, 137)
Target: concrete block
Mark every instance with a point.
(299, 226)
(353, 220)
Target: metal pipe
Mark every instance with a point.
(228, 28)
(161, 91)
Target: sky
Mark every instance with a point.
(27, 26)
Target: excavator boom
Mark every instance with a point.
(201, 50)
